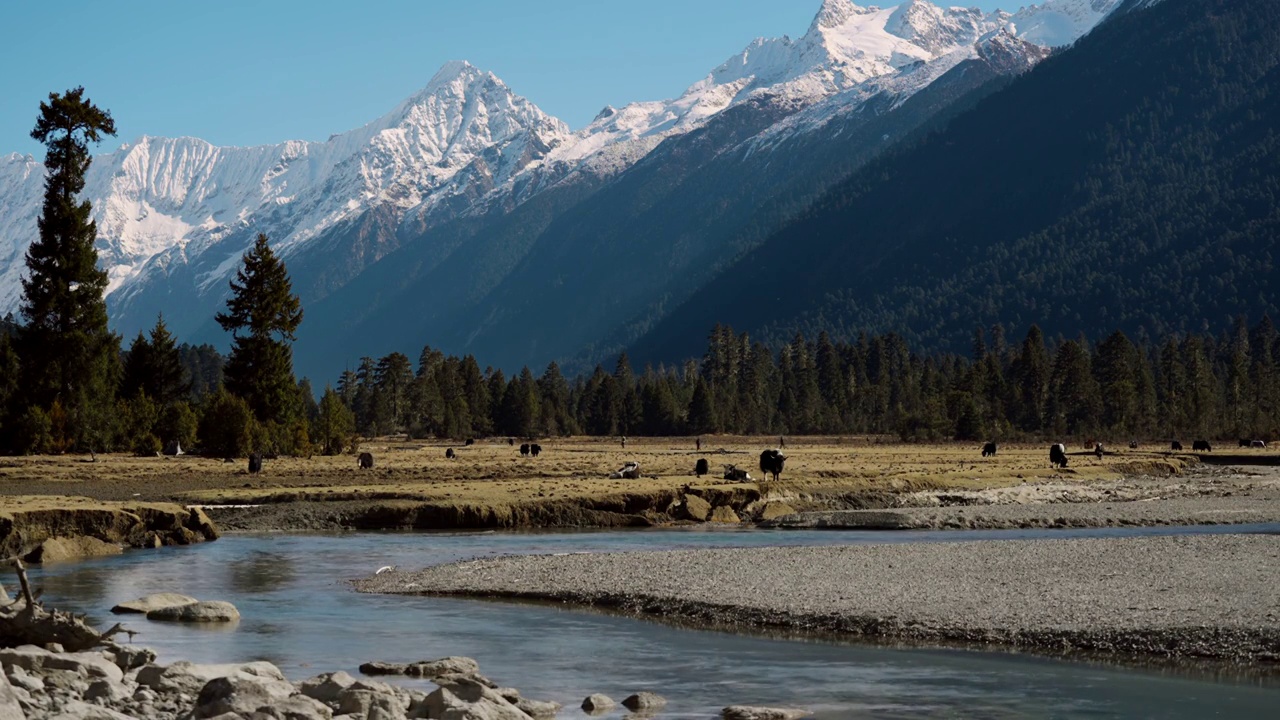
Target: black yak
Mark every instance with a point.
(535, 449)
(989, 449)
(1198, 445)
(470, 442)
(1245, 443)
(1098, 451)
(1260, 444)
(701, 468)
(1058, 455)
(449, 454)
(1133, 444)
(733, 472)
(366, 461)
(524, 449)
(1175, 445)
(255, 463)
(630, 471)
(771, 463)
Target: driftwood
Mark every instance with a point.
(23, 621)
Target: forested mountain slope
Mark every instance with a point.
(1130, 181)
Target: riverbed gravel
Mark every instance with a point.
(1175, 596)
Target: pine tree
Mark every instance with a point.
(153, 367)
(263, 307)
(334, 423)
(69, 356)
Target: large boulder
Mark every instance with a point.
(695, 508)
(452, 665)
(644, 701)
(89, 665)
(60, 549)
(298, 707)
(597, 703)
(724, 514)
(197, 612)
(754, 712)
(326, 687)
(469, 700)
(10, 708)
(377, 667)
(242, 695)
(155, 601)
(190, 678)
(362, 701)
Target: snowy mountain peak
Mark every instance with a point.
(835, 13)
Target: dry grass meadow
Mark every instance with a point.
(493, 472)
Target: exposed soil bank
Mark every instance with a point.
(1207, 597)
(27, 522)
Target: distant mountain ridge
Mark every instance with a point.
(1128, 182)
(444, 172)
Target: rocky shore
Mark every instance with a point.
(1202, 597)
(43, 529)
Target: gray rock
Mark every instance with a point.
(190, 678)
(106, 691)
(10, 707)
(156, 601)
(754, 712)
(598, 703)
(468, 700)
(21, 678)
(85, 664)
(239, 695)
(537, 708)
(78, 710)
(205, 611)
(298, 707)
(452, 665)
(369, 704)
(377, 667)
(326, 687)
(644, 701)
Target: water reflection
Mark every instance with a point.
(261, 572)
(298, 613)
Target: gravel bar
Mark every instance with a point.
(1200, 597)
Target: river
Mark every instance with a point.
(299, 613)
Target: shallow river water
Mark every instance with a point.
(299, 613)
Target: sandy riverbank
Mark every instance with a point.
(1174, 597)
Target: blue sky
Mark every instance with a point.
(241, 73)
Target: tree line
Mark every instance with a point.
(67, 386)
(1182, 386)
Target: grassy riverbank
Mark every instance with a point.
(489, 484)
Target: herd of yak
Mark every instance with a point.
(771, 461)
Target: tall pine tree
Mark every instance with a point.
(70, 359)
(262, 315)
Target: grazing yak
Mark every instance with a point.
(701, 468)
(1098, 450)
(1175, 445)
(1198, 445)
(771, 463)
(449, 454)
(989, 449)
(1133, 444)
(255, 463)
(470, 442)
(733, 472)
(524, 449)
(366, 461)
(630, 471)
(1260, 444)
(1245, 443)
(1058, 455)
(535, 449)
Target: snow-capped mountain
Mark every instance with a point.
(174, 215)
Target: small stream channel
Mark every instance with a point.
(299, 613)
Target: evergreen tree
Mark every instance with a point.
(153, 367)
(334, 424)
(263, 307)
(69, 356)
